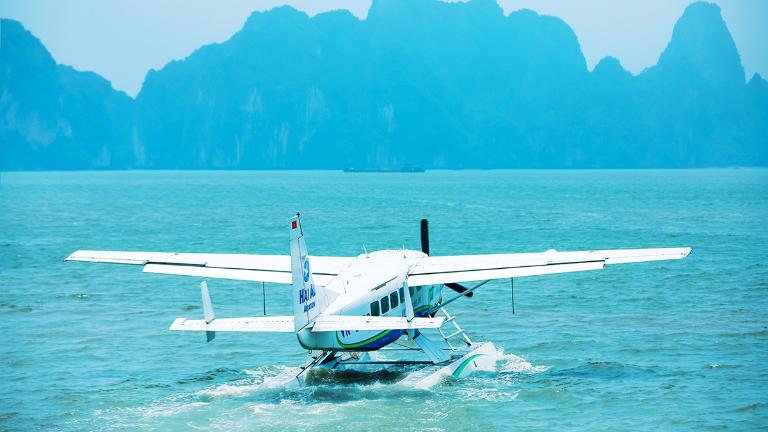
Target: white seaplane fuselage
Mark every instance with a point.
(373, 284)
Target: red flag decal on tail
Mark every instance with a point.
(293, 224)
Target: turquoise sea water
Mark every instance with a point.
(677, 345)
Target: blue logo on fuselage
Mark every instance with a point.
(306, 271)
(307, 293)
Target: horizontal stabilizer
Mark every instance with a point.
(325, 323)
(247, 324)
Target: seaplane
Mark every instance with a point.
(349, 311)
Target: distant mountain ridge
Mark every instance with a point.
(54, 117)
(422, 82)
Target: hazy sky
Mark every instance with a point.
(122, 39)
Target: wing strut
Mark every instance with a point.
(263, 299)
(512, 283)
(467, 293)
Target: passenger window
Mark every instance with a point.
(402, 295)
(393, 300)
(375, 308)
(384, 305)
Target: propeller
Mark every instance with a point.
(425, 236)
(425, 248)
(459, 288)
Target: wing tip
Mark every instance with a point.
(110, 257)
(177, 324)
(74, 256)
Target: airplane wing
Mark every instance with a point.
(433, 270)
(261, 268)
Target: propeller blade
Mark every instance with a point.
(425, 248)
(459, 288)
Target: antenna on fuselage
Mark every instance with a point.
(365, 250)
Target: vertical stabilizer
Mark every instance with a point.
(306, 298)
(207, 310)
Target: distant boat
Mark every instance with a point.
(404, 169)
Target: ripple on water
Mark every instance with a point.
(217, 373)
(757, 406)
(607, 371)
(15, 308)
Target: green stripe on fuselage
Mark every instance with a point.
(421, 308)
(365, 342)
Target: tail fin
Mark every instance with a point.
(207, 310)
(307, 299)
